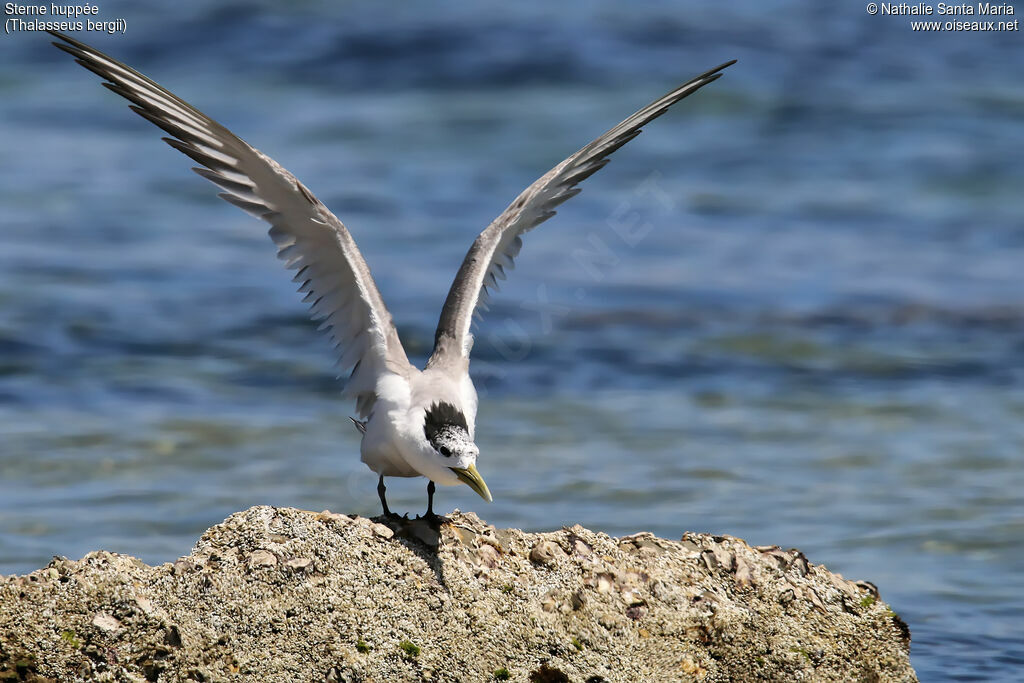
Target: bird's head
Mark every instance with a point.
(448, 434)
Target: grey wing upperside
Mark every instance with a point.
(309, 238)
(496, 247)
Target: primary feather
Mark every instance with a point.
(309, 238)
(497, 246)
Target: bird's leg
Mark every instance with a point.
(383, 501)
(430, 516)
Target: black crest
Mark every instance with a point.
(442, 415)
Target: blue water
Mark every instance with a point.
(816, 341)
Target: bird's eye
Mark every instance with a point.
(445, 451)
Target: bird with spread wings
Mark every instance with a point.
(413, 422)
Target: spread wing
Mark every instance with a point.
(309, 238)
(496, 247)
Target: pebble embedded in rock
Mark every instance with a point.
(800, 564)
(725, 559)
(182, 565)
(545, 552)
(869, 587)
(744, 575)
(710, 560)
(327, 515)
(487, 556)
(814, 598)
(637, 611)
(581, 548)
(262, 558)
(105, 622)
(382, 531)
(145, 604)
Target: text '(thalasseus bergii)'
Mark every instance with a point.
(413, 422)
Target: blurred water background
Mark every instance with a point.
(812, 336)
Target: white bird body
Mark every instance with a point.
(416, 422)
(394, 444)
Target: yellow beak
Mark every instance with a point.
(473, 480)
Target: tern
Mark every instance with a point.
(413, 422)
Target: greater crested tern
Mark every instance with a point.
(413, 422)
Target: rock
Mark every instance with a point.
(343, 598)
(105, 622)
(299, 563)
(544, 552)
(262, 558)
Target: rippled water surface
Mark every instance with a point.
(812, 335)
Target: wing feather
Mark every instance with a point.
(495, 249)
(309, 238)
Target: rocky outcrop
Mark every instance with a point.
(278, 594)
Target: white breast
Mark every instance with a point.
(387, 429)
